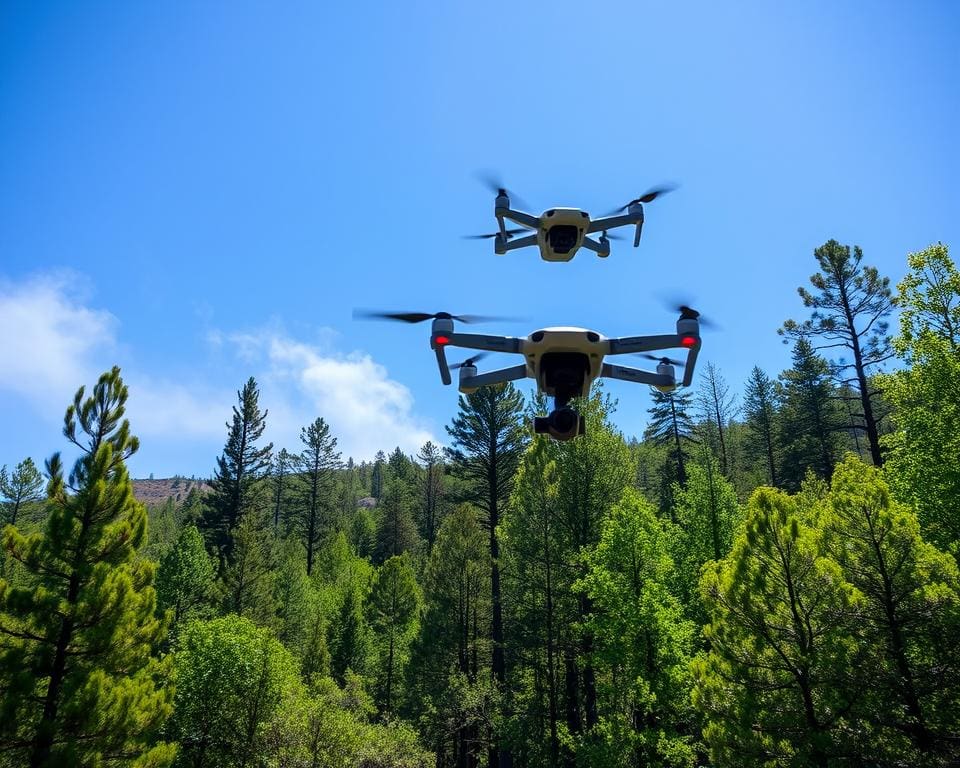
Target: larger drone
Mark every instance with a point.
(560, 232)
(563, 361)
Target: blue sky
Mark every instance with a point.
(203, 192)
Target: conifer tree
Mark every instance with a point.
(311, 518)
(79, 679)
(248, 581)
(717, 408)
(760, 409)
(431, 493)
(239, 467)
(923, 465)
(350, 645)
(185, 579)
(810, 422)
(848, 313)
(396, 531)
(292, 596)
(909, 621)
(393, 605)
(280, 479)
(18, 488)
(488, 439)
(671, 426)
(775, 686)
(376, 475)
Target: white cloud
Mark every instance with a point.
(367, 411)
(49, 339)
(52, 341)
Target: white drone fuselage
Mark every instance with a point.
(571, 224)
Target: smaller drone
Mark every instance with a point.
(561, 232)
(564, 361)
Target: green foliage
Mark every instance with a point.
(760, 404)
(311, 518)
(247, 584)
(810, 421)
(848, 314)
(642, 643)
(242, 463)
(80, 682)
(392, 607)
(293, 597)
(233, 681)
(17, 489)
(185, 579)
(396, 531)
(922, 460)
(908, 620)
(350, 646)
(431, 507)
(671, 428)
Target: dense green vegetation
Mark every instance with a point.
(766, 578)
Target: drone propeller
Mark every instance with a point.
(647, 197)
(613, 236)
(470, 361)
(510, 233)
(494, 183)
(666, 360)
(689, 313)
(419, 317)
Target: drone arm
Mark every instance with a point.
(624, 373)
(441, 353)
(519, 217)
(494, 377)
(594, 246)
(690, 364)
(629, 344)
(611, 222)
(485, 343)
(521, 242)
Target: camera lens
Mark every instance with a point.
(563, 237)
(564, 420)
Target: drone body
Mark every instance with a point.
(564, 361)
(560, 232)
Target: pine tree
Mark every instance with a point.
(717, 409)
(396, 531)
(447, 689)
(760, 406)
(17, 489)
(488, 439)
(431, 493)
(810, 422)
(80, 682)
(775, 686)
(671, 426)
(185, 579)
(239, 468)
(311, 519)
(923, 465)
(376, 477)
(909, 621)
(350, 646)
(393, 605)
(642, 642)
(248, 580)
(293, 597)
(280, 479)
(848, 313)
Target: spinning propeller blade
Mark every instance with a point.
(494, 183)
(510, 233)
(647, 197)
(668, 360)
(469, 361)
(689, 313)
(419, 317)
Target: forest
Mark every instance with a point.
(765, 577)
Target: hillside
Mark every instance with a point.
(157, 491)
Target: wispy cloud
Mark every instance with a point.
(52, 340)
(366, 409)
(49, 340)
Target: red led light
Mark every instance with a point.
(441, 340)
(688, 341)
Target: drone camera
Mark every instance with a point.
(562, 424)
(563, 237)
